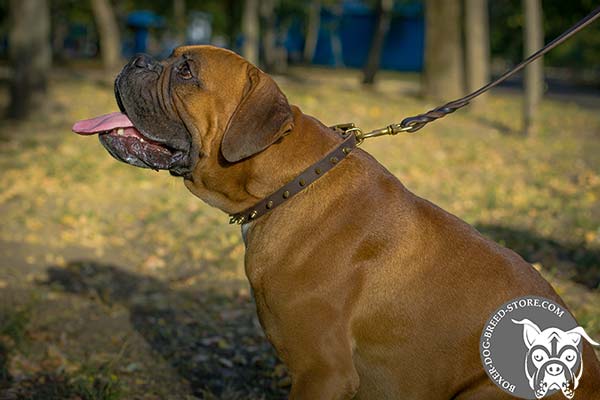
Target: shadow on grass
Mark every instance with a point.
(580, 263)
(210, 336)
(494, 124)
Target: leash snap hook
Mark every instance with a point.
(393, 129)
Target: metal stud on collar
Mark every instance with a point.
(302, 181)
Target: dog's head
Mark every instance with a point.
(553, 360)
(201, 108)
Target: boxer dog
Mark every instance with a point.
(365, 290)
(553, 361)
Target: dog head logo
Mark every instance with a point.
(553, 360)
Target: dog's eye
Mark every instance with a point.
(184, 71)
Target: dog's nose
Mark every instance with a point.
(554, 369)
(144, 61)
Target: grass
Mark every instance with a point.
(13, 325)
(139, 288)
(84, 383)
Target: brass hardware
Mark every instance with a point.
(269, 204)
(286, 194)
(393, 129)
(302, 182)
(357, 133)
(237, 219)
(348, 128)
(253, 214)
(318, 171)
(346, 150)
(343, 127)
(333, 160)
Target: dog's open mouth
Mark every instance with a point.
(124, 142)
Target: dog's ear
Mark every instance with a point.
(262, 116)
(530, 331)
(577, 333)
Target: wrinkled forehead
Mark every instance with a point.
(209, 55)
(221, 70)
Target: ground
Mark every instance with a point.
(117, 283)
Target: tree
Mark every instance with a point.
(250, 29)
(442, 77)
(30, 55)
(333, 26)
(534, 72)
(110, 42)
(269, 42)
(477, 47)
(179, 17)
(312, 30)
(382, 26)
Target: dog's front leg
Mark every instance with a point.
(322, 381)
(315, 346)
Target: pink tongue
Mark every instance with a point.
(103, 123)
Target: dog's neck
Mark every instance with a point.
(234, 187)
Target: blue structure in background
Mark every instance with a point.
(146, 25)
(348, 29)
(141, 22)
(354, 28)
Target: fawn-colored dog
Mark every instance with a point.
(366, 290)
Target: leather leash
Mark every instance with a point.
(354, 136)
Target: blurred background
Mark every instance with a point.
(116, 283)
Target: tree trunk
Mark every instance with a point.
(534, 72)
(232, 25)
(442, 77)
(30, 55)
(60, 31)
(335, 38)
(110, 42)
(384, 17)
(267, 13)
(312, 31)
(477, 47)
(179, 17)
(250, 28)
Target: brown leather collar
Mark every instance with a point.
(300, 182)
